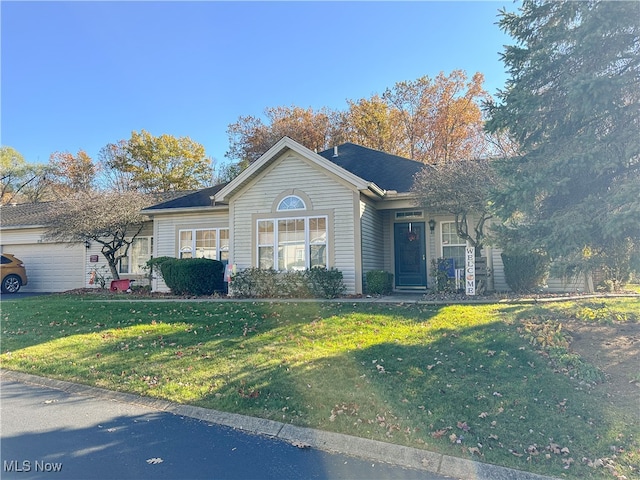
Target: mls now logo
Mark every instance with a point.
(28, 466)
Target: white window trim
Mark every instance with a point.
(443, 245)
(218, 246)
(303, 207)
(130, 263)
(411, 214)
(307, 241)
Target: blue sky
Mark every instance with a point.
(79, 75)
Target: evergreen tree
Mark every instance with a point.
(572, 103)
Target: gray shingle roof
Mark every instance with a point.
(25, 214)
(37, 214)
(389, 172)
(199, 198)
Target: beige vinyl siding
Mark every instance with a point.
(167, 226)
(20, 236)
(567, 284)
(387, 236)
(372, 238)
(326, 194)
(553, 284)
(499, 282)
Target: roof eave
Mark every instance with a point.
(18, 227)
(208, 208)
(374, 191)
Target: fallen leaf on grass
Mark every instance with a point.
(463, 426)
(439, 433)
(598, 462)
(249, 393)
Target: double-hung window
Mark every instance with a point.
(295, 243)
(210, 243)
(137, 256)
(453, 246)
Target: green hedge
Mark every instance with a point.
(379, 282)
(314, 283)
(525, 272)
(193, 276)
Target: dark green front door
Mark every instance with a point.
(410, 255)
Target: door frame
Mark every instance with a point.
(410, 278)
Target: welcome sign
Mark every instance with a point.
(470, 270)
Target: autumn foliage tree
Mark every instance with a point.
(158, 164)
(373, 123)
(250, 137)
(21, 181)
(441, 118)
(429, 120)
(72, 173)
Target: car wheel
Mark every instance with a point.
(11, 284)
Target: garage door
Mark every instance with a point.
(51, 267)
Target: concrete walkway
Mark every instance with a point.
(327, 441)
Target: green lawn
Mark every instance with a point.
(485, 382)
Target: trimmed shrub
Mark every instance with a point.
(155, 265)
(254, 283)
(525, 273)
(326, 283)
(317, 282)
(294, 284)
(193, 276)
(379, 282)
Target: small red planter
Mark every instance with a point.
(121, 285)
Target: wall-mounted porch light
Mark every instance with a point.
(432, 225)
(87, 244)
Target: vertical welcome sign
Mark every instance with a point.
(470, 270)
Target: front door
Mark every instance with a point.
(411, 262)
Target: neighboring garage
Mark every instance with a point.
(51, 267)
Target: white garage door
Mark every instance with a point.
(51, 267)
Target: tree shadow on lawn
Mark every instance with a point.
(478, 391)
(472, 393)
